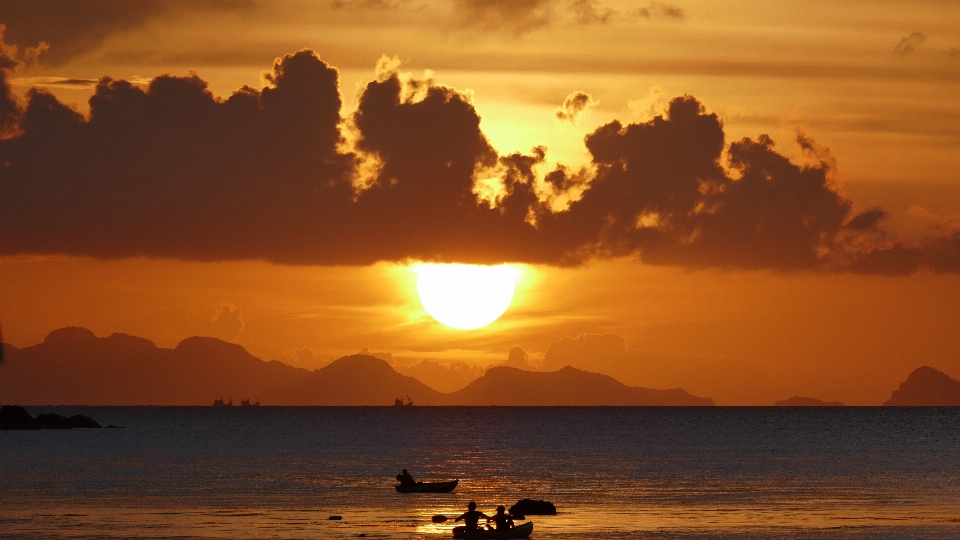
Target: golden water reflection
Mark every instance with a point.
(244, 523)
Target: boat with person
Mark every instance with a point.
(428, 487)
(520, 531)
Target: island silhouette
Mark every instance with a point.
(74, 367)
(800, 401)
(926, 387)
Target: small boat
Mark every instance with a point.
(219, 402)
(246, 403)
(398, 402)
(429, 487)
(520, 531)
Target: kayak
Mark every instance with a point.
(429, 487)
(520, 531)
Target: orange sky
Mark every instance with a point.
(875, 83)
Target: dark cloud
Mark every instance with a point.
(910, 43)
(517, 17)
(370, 4)
(661, 192)
(867, 220)
(573, 106)
(661, 10)
(9, 109)
(168, 170)
(520, 17)
(58, 82)
(76, 28)
(590, 12)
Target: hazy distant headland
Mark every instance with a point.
(74, 367)
(800, 401)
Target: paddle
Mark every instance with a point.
(440, 518)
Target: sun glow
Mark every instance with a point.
(465, 296)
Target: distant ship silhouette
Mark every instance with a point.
(398, 402)
(220, 403)
(246, 403)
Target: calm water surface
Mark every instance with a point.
(279, 472)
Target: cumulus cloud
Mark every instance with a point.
(910, 43)
(595, 351)
(170, 327)
(169, 170)
(518, 358)
(444, 377)
(575, 105)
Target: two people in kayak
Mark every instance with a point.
(405, 479)
(471, 518)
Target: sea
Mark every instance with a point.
(611, 472)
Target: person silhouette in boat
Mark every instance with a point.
(502, 520)
(471, 518)
(405, 479)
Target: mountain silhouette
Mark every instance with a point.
(365, 380)
(926, 387)
(503, 385)
(799, 401)
(74, 367)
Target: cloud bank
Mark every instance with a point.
(169, 170)
(74, 31)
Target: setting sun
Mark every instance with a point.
(465, 296)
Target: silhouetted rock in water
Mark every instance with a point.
(798, 401)
(926, 387)
(503, 385)
(55, 421)
(13, 417)
(529, 507)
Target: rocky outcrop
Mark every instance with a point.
(530, 507)
(13, 417)
(926, 387)
(799, 401)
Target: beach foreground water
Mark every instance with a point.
(280, 472)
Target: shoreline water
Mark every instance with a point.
(201, 472)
